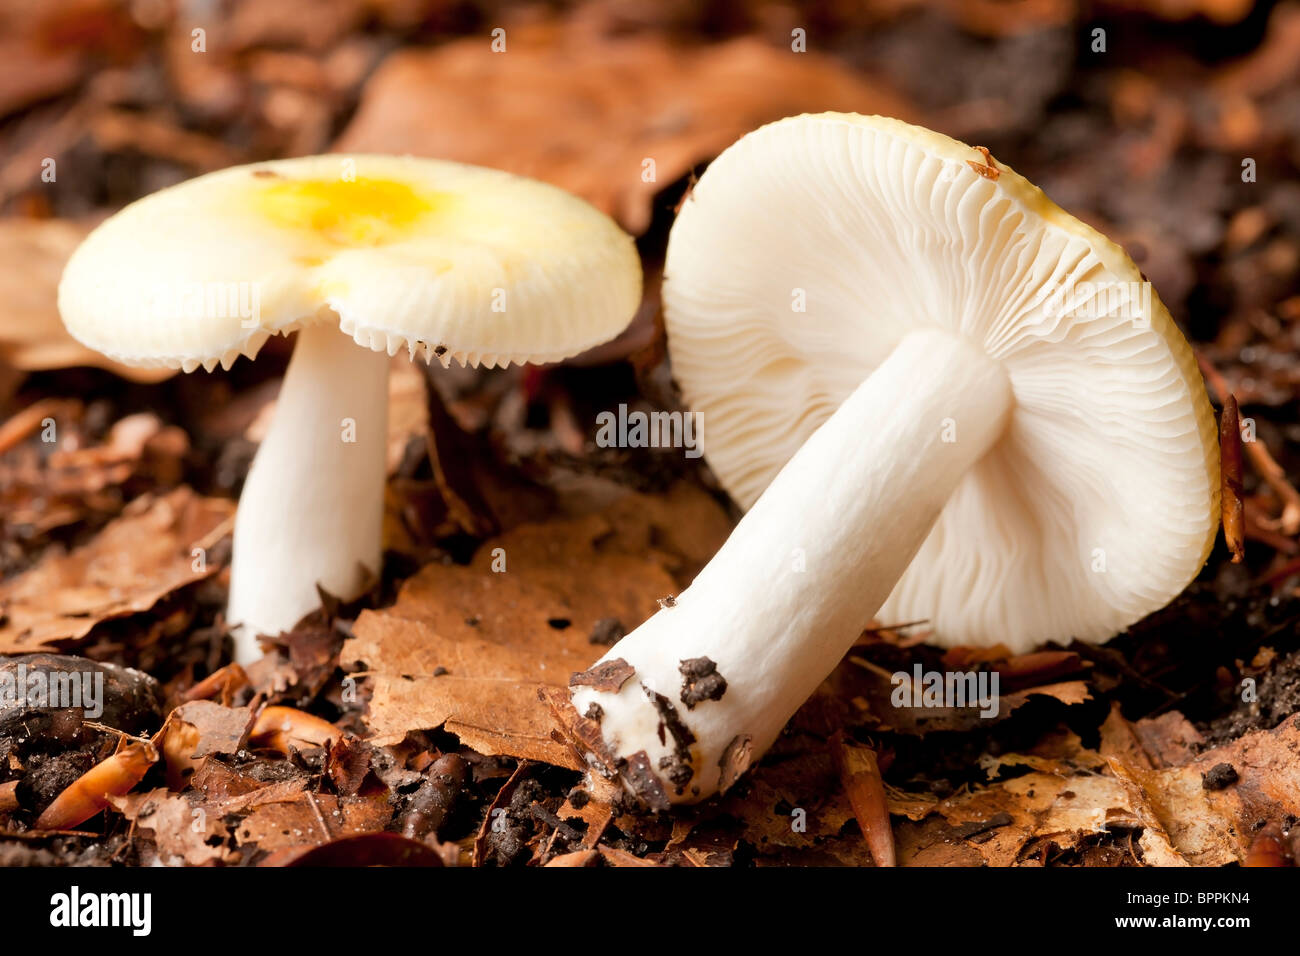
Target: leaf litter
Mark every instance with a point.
(405, 728)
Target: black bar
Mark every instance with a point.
(316, 904)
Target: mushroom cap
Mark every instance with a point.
(448, 260)
(1100, 501)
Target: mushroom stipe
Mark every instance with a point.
(361, 256)
(915, 377)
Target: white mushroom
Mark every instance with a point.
(940, 397)
(444, 260)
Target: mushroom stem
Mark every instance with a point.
(311, 511)
(800, 576)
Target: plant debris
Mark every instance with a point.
(427, 723)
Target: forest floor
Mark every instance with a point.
(413, 730)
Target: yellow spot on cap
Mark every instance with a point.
(360, 212)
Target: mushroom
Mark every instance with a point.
(913, 373)
(361, 255)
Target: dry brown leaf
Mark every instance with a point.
(1212, 827)
(586, 113)
(879, 690)
(597, 811)
(1119, 739)
(136, 560)
(1073, 807)
(792, 809)
(180, 825)
(469, 647)
(1067, 692)
(1157, 847)
(1182, 822)
(311, 819)
(32, 336)
(1060, 802)
(1060, 751)
(913, 806)
(613, 857)
(576, 858)
(930, 843)
(197, 729)
(996, 824)
(231, 789)
(46, 486)
(1169, 740)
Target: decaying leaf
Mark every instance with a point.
(469, 646)
(791, 809)
(54, 474)
(182, 829)
(1169, 740)
(884, 689)
(312, 819)
(621, 103)
(362, 849)
(1213, 826)
(1182, 820)
(995, 825)
(197, 729)
(147, 553)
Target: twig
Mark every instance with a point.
(325, 827)
(1233, 509)
(26, 421)
(1260, 458)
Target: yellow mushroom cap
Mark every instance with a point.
(447, 260)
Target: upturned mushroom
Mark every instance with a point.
(361, 256)
(940, 397)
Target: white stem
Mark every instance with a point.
(802, 573)
(312, 507)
